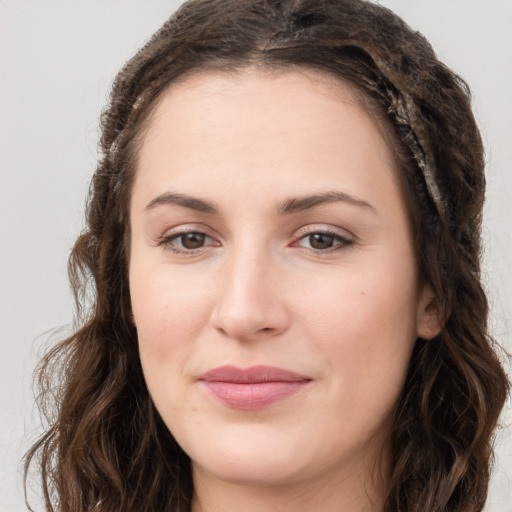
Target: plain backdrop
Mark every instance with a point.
(57, 61)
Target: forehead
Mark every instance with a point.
(298, 84)
(296, 128)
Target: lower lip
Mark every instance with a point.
(256, 395)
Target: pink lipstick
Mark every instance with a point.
(252, 388)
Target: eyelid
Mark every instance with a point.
(181, 229)
(323, 228)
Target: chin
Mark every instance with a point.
(256, 471)
(255, 459)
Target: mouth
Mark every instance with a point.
(252, 388)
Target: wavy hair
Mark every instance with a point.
(105, 448)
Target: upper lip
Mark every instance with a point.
(251, 375)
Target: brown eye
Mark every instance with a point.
(187, 242)
(324, 241)
(192, 240)
(321, 241)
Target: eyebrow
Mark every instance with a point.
(292, 205)
(298, 204)
(186, 201)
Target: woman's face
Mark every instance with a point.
(272, 276)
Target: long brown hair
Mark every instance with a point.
(106, 448)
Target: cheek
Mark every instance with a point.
(369, 297)
(365, 324)
(170, 312)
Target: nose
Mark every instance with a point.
(250, 304)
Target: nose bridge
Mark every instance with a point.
(249, 303)
(248, 276)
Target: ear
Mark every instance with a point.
(132, 319)
(429, 319)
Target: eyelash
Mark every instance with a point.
(166, 241)
(340, 242)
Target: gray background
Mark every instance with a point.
(57, 60)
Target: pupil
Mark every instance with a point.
(192, 240)
(321, 241)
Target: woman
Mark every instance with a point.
(283, 237)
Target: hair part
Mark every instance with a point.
(106, 448)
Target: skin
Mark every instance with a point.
(256, 291)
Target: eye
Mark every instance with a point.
(186, 241)
(324, 241)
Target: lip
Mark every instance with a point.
(252, 388)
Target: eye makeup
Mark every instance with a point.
(314, 239)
